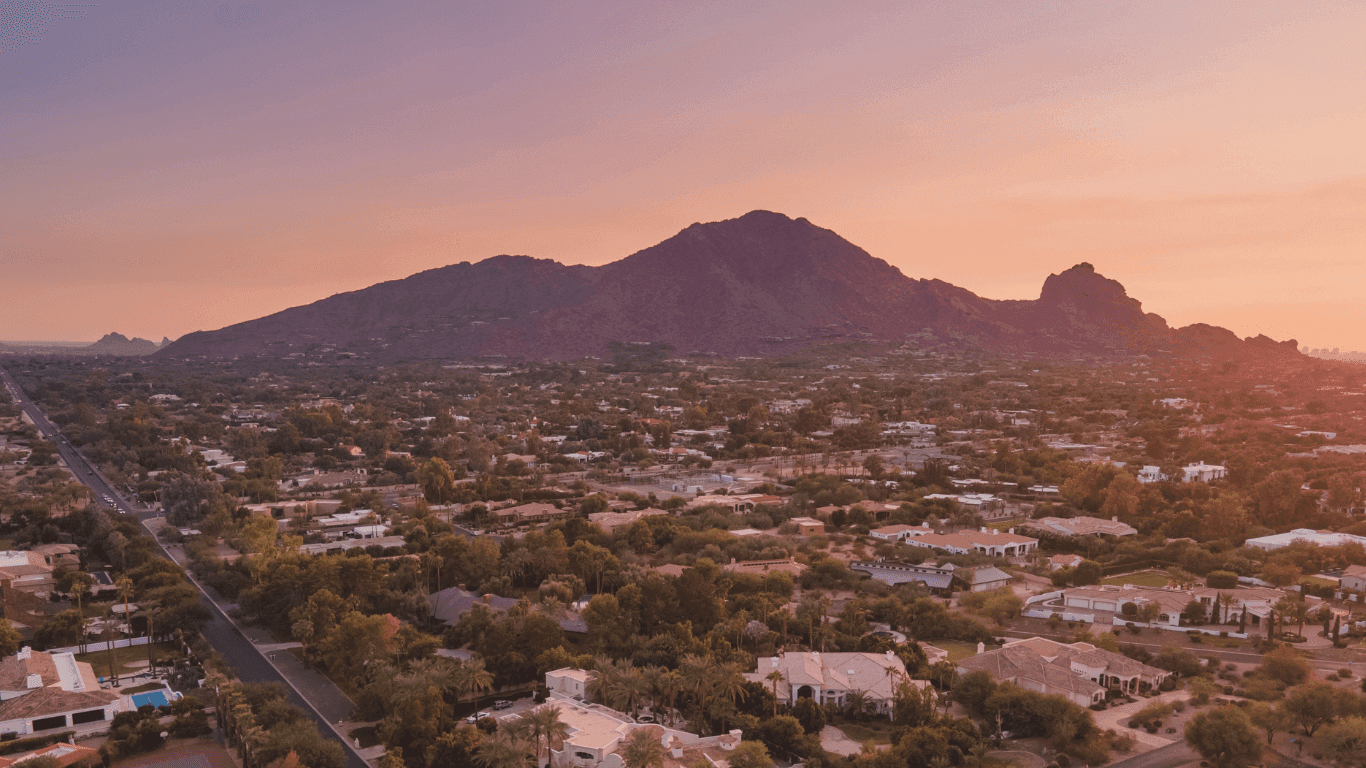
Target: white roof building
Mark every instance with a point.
(1306, 535)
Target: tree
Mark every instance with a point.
(1224, 736)
(1087, 572)
(1316, 704)
(643, 750)
(1271, 719)
(504, 749)
(775, 677)
(1221, 580)
(437, 481)
(1281, 574)
(544, 723)
(1345, 740)
(809, 714)
(1284, 665)
(455, 749)
(750, 754)
(10, 639)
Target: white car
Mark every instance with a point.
(477, 716)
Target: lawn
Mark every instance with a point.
(957, 648)
(878, 732)
(1148, 578)
(125, 659)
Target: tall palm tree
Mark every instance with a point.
(471, 677)
(775, 677)
(544, 723)
(670, 685)
(643, 749)
(504, 749)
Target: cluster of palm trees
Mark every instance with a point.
(532, 735)
(710, 689)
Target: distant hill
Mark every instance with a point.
(110, 344)
(118, 344)
(762, 283)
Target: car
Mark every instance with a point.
(502, 704)
(477, 716)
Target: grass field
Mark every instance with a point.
(878, 732)
(1140, 579)
(957, 648)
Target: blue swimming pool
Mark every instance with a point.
(155, 698)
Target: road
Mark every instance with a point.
(325, 703)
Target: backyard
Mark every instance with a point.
(128, 661)
(1148, 578)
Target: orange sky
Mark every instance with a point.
(168, 167)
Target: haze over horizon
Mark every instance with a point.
(170, 167)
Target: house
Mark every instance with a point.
(893, 532)
(937, 579)
(830, 678)
(60, 555)
(1354, 578)
(1306, 535)
(765, 567)
(40, 691)
(354, 451)
(529, 460)
(596, 736)
(1058, 562)
(26, 571)
(988, 541)
(738, 505)
(1079, 672)
(983, 579)
(1203, 473)
(60, 754)
(450, 604)
(535, 512)
(1080, 526)
(1223, 606)
(610, 521)
(569, 682)
(807, 526)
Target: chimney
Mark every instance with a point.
(24, 653)
(890, 655)
(1114, 518)
(1012, 531)
(33, 681)
(732, 561)
(994, 532)
(733, 741)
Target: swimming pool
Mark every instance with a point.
(155, 698)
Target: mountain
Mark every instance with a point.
(118, 344)
(762, 283)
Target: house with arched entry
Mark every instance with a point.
(834, 678)
(1079, 672)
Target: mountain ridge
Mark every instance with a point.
(757, 284)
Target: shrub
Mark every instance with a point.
(1345, 674)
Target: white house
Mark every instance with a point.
(988, 541)
(1203, 473)
(569, 682)
(42, 691)
(830, 678)
(1354, 578)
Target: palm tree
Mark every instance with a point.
(643, 749)
(504, 749)
(670, 685)
(544, 723)
(775, 677)
(979, 754)
(471, 677)
(857, 704)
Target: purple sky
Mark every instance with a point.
(173, 166)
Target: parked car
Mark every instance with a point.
(477, 716)
(502, 704)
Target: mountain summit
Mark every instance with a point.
(761, 283)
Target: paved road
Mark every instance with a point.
(1170, 756)
(327, 707)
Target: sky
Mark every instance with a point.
(168, 167)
